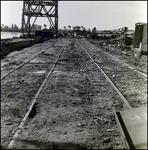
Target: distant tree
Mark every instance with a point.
(69, 27)
(84, 29)
(6, 27)
(45, 26)
(12, 26)
(2, 26)
(74, 28)
(94, 30)
(89, 30)
(78, 28)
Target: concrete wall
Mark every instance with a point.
(19, 44)
(144, 40)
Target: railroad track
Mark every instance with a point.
(126, 136)
(27, 61)
(83, 90)
(76, 79)
(127, 65)
(34, 68)
(117, 72)
(108, 79)
(10, 146)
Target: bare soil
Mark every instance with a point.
(74, 109)
(117, 48)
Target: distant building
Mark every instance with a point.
(36, 27)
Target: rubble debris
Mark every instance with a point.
(101, 118)
(110, 130)
(123, 52)
(106, 140)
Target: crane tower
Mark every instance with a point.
(32, 9)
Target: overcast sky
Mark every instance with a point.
(103, 15)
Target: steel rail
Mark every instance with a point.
(109, 80)
(19, 66)
(123, 130)
(12, 142)
(130, 67)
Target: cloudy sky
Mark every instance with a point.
(103, 15)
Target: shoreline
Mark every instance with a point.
(16, 44)
(2, 30)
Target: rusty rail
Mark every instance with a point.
(109, 80)
(12, 142)
(130, 67)
(19, 66)
(123, 130)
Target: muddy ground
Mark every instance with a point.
(74, 109)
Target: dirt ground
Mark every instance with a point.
(117, 48)
(75, 108)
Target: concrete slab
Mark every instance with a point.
(136, 123)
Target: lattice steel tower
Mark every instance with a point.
(32, 9)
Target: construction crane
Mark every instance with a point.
(32, 9)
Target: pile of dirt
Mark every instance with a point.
(118, 48)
